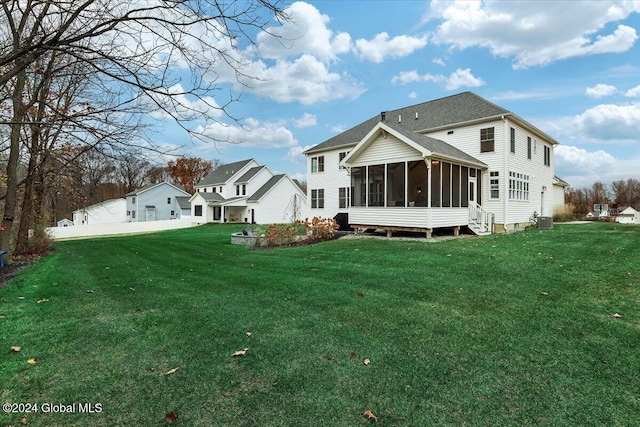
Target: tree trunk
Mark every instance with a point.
(11, 197)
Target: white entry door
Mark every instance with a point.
(151, 214)
(473, 190)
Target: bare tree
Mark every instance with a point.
(132, 171)
(122, 57)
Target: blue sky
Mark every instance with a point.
(571, 68)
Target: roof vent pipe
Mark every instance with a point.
(416, 115)
(399, 118)
(383, 116)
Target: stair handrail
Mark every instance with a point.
(479, 217)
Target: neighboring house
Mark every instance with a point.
(64, 222)
(246, 191)
(107, 212)
(452, 162)
(155, 202)
(628, 215)
(600, 210)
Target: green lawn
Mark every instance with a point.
(512, 329)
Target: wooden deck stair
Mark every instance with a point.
(480, 221)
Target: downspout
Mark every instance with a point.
(505, 172)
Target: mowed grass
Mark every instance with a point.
(512, 329)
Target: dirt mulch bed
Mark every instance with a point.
(13, 266)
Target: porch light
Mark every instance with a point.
(435, 162)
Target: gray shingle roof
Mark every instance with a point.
(183, 202)
(249, 174)
(460, 108)
(212, 197)
(147, 187)
(266, 187)
(223, 173)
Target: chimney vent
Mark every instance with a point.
(383, 116)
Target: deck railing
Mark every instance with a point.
(479, 218)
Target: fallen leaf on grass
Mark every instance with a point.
(366, 362)
(31, 361)
(172, 371)
(617, 316)
(89, 291)
(171, 417)
(352, 354)
(24, 421)
(544, 293)
(249, 334)
(360, 295)
(41, 300)
(370, 416)
(15, 349)
(240, 352)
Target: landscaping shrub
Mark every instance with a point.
(280, 235)
(321, 228)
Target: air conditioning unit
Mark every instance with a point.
(545, 222)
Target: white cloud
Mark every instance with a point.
(295, 155)
(439, 61)
(381, 47)
(581, 168)
(463, 78)
(295, 65)
(253, 133)
(305, 33)
(457, 79)
(610, 122)
(305, 80)
(600, 91)
(534, 94)
(177, 103)
(307, 120)
(633, 93)
(406, 77)
(535, 33)
(413, 95)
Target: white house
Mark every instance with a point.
(246, 191)
(65, 222)
(628, 215)
(155, 202)
(107, 212)
(452, 162)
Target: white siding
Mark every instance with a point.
(330, 180)
(257, 181)
(157, 196)
(410, 217)
(107, 212)
(386, 148)
(558, 199)
(502, 160)
(207, 212)
(391, 216)
(276, 205)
